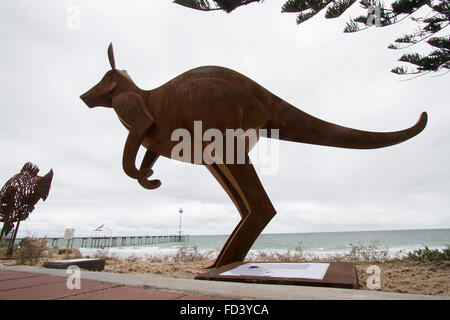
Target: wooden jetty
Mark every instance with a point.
(103, 242)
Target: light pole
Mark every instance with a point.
(179, 231)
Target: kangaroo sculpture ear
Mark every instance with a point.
(111, 56)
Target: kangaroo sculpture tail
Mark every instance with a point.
(298, 126)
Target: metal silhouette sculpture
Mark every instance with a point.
(222, 99)
(19, 196)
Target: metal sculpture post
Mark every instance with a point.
(19, 196)
(219, 99)
(179, 231)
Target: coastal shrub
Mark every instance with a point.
(370, 253)
(357, 253)
(72, 253)
(157, 258)
(30, 250)
(190, 254)
(183, 254)
(297, 255)
(427, 254)
(133, 258)
(288, 256)
(102, 253)
(3, 252)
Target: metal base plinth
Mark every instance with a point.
(338, 275)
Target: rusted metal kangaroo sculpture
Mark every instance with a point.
(222, 99)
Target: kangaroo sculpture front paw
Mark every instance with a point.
(148, 162)
(150, 184)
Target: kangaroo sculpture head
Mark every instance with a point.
(114, 82)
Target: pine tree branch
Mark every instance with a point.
(202, 5)
(205, 5)
(338, 8)
(420, 74)
(440, 75)
(412, 43)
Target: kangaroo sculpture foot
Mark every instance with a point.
(221, 99)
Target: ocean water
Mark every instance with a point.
(396, 242)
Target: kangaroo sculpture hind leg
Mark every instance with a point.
(221, 99)
(242, 184)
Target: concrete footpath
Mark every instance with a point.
(37, 283)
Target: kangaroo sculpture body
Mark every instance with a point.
(222, 99)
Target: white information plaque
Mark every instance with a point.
(68, 234)
(314, 271)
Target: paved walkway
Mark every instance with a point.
(16, 285)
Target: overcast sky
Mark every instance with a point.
(46, 64)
